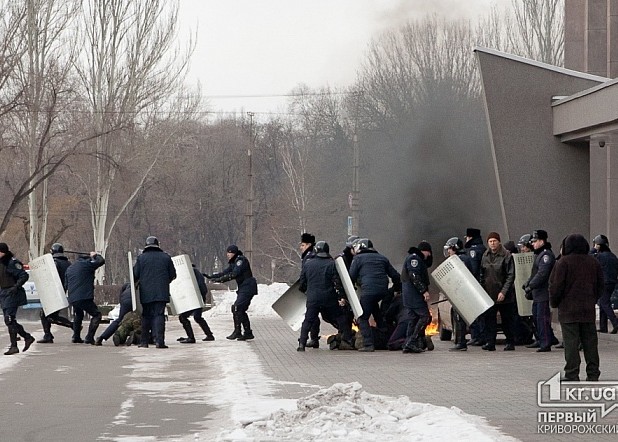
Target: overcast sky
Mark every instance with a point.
(265, 48)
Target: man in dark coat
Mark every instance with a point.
(126, 305)
(239, 269)
(320, 281)
(80, 284)
(454, 246)
(497, 278)
(575, 285)
(154, 271)
(196, 313)
(306, 246)
(62, 264)
(371, 271)
(12, 295)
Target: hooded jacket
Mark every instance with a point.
(576, 282)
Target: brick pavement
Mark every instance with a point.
(500, 386)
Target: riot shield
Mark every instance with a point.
(45, 276)
(291, 306)
(353, 297)
(462, 289)
(184, 291)
(523, 270)
(135, 300)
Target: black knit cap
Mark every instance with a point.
(424, 246)
(4, 248)
(232, 249)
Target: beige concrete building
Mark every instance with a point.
(554, 131)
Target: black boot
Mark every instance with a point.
(13, 337)
(190, 339)
(92, 329)
(236, 333)
(246, 336)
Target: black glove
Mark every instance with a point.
(208, 276)
(528, 291)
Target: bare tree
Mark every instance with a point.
(130, 67)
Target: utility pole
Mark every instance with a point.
(354, 197)
(249, 214)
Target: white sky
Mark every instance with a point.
(268, 47)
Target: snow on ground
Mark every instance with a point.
(340, 412)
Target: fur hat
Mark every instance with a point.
(4, 248)
(307, 238)
(494, 235)
(473, 233)
(424, 246)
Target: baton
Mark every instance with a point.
(438, 302)
(78, 253)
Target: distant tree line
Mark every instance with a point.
(101, 144)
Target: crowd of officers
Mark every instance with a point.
(153, 273)
(406, 302)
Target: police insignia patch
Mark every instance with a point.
(239, 262)
(414, 263)
(472, 253)
(18, 265)
(546, 259)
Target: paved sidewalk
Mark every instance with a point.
(500, 386)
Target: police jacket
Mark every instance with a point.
(201, 283)
(240, 270)
(319, 280)
(347, 257)
(609, 264)
(371, 270)
(80, 277)
(308, 254)
(62, 264)
(12, 278)
(475, 249)
(541, 268)
(154, 271)
(498, 274)
(414, 280)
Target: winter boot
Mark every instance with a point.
(209, 337)
(28, 341)
(76, 335)
(236, 333)
(12, 350)
(13, 337)
(98, 341)
(92, 329)
(47, 339)
(246, 336)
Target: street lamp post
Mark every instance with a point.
(249, 214)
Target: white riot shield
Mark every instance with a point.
(291, 306)
(353, 297)
(523, 270)
(184, 291)
(462, 289)
(135, 301)
(45, 276)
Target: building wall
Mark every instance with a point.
(591, 36)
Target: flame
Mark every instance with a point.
(432, 329)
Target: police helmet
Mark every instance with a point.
(322, 249)
(361, 244)
(453, 243)
(601, 240)
(524, 241)
(57, 248)
(152, 241)
(350, 241)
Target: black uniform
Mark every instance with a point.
(12, 295)
(458, 320)
(62, 264)
(371, 271)
(239, 269)
(196, 313)
(414, 283)
(154, 271)
(80, 284)
(320, 281)
(609, 264)
(314, 333)
(475, 248)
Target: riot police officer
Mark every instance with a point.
(239, 269)
(475, 248)
(12, 295)
(415, 294)
(307, 245)
(454, 246)
(80, 285)
(154, 270)
(196, 313)
(62, 264)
